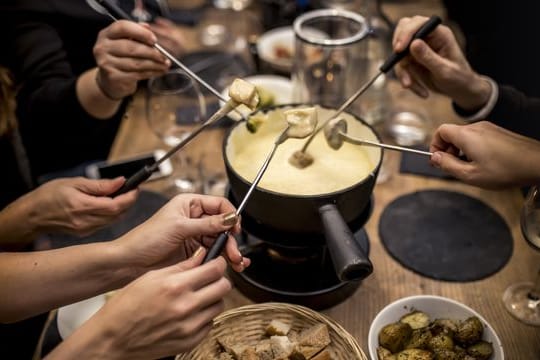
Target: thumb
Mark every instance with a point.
(450, 164)
(208, 225)
(425, 56)
(101, 187)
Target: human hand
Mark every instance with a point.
(125, 54)
(178, 229)
(164, 312)
(496, 157)
(438, 64)
(77, 206)
(169, 35)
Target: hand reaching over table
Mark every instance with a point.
(495, 157)
(76, 206)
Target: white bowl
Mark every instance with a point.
(436, 307)
(279, 86)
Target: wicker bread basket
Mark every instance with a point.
(248, 324)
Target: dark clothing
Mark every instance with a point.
(517, 112)
(501, 40)
(51, 45)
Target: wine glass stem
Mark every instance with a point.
(534, 294)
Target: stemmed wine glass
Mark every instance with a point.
(522, 299)
(174, 107)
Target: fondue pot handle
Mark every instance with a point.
(350, 261)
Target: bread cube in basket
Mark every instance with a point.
(248, 324)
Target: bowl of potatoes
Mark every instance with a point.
(428, 327)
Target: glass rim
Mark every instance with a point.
(190, 83)
(326, 13)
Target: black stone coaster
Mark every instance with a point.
(445, 235)
(419, 165)
(146, 205)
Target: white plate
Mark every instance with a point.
(274, 42)
(72, 316)
(279, 86)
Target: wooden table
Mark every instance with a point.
(391, 281)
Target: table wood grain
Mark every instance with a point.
(390, 281)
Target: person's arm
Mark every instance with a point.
(491, 157)
(41, 281)
(72, 205)
(163, 313)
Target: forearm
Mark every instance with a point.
(18, 225)
(44, 280)
(93, 100)
(92, 339)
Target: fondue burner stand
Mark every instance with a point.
(293, 268)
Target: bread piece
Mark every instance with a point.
(225, 356)
(282, 347)
(277, 327)
(312, 340)
(231, 345)
(249, 354)
(323, 355)
(264, 350)
(245, 93)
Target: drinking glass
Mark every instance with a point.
(522, 299)
(174, 107)
(330, 61)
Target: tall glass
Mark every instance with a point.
(522, 299)
(330, 56)
(174, 107)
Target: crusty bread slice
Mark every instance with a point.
(249, 354)
(323, 355)
(311, 341)
(231, 345)
(277, 327)
(282, 347)
(264, 350)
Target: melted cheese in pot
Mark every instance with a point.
(331, 170)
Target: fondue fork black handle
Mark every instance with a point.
(421, 33)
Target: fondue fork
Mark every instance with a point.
(217, 247)
(301, 158)
(335, 133)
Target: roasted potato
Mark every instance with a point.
(469, 331)
(441, 342)
(419, 339)
(394, 336)
(482, 350)
(445, 326)
(445, 354)
(415, 354)
(416, 319)
(385, 354)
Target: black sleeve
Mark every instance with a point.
(517, 112)
(51, 48)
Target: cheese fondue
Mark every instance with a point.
(330, 172)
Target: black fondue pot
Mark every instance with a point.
(303, 214)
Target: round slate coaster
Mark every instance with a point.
(145, 206)
(445, 235)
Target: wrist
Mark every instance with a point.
(103, 89)
(480, 91)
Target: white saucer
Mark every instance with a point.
(279, 86)
(274, 42)
(70, 317)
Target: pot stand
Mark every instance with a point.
(293, 268)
